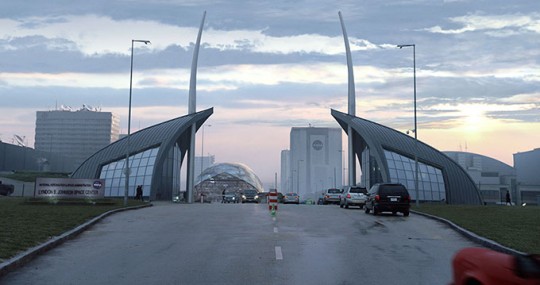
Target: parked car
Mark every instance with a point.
(230, 198)
(332, 196)
(485, 266)
(291, 198)
(387, 197)
(6, 189)
(353, 196)
(250, 196)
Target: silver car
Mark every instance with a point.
(353, 196)
(332, 196)
(291, 198)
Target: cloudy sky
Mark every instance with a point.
(267, 66)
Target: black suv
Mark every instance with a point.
(388, 198)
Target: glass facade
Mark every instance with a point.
(430, 179)
(141, 165)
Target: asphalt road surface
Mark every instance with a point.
(243, 244)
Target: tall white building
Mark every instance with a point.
(315, 160)
(75, 134)
(285, 186)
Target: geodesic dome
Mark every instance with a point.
(231, 171)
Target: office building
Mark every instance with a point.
(75, 134)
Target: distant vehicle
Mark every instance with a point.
(250, 196)
(353, 196)
(386, 197)
(279, 197)
(6, 189)
(308, 201)
(291, 198)
(230, 198)
(484, 266)
(332, 196)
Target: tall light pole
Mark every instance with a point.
(343, 168)
(202, 147)
(415, 126)
(127, 171)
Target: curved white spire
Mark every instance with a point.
(352, 95)
(193, 80)
(191, 110)
(352, 106)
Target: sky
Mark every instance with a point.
(267, 66)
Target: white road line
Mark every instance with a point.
(279, 255)
(275, 230)
(274, 219)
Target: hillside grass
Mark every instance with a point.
(516, 227)
(26, 223)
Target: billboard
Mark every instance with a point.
(69, 188)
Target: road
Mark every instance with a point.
(243, 244)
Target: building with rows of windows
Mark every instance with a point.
(389, 156)
(75, 134)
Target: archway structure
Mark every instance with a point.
(387, 155)
(156, 155)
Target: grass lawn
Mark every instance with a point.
(515, 227)
(25, 223)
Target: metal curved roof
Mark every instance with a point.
(238, 170)
(460, 188)
(165, 134)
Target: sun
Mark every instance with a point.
(474, 121)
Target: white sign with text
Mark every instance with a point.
(69, 188)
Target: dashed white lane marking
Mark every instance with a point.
(274, 219)
(279, 255)
(275, 230)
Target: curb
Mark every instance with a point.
(23, 258)
(472, 236)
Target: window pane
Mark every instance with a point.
(409, 174)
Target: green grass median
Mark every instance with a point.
(25, 223)
(516, 227)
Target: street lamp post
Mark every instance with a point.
(202, 147)
(343, 168)
(126, 169)
(415, 126)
